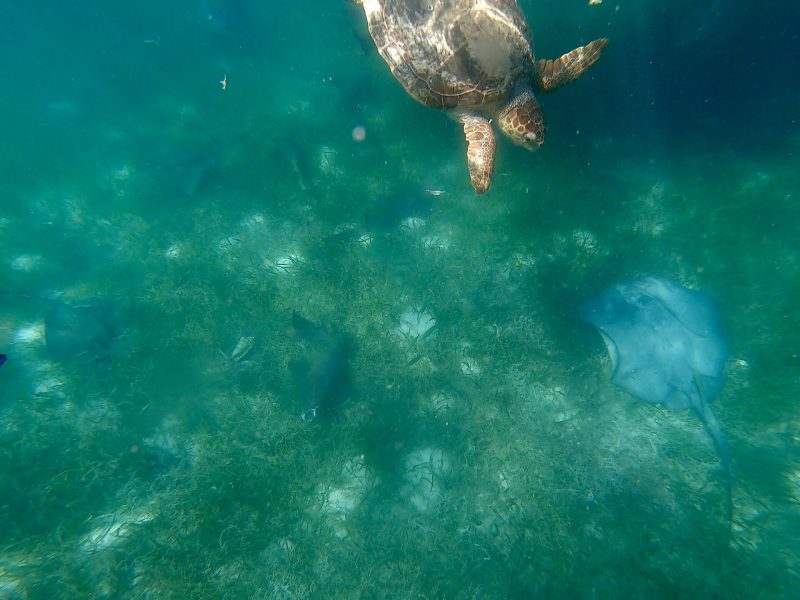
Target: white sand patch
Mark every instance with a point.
(111, 530)
(342, 498)
(586, 241)
(412, 223)
(30, 333)
(423, 471)
(470, 367)
(49, 385)
(26, 262)
(169, 439)
(227, 244)
(327, 162)
(11, 586)
(284, 263)
(173, 251)
(435, 242)
(415, 324)
(254, 221)
(442, 402)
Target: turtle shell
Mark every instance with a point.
(453, 53)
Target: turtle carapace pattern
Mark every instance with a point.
(473, 59)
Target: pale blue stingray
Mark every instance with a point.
(666, 347)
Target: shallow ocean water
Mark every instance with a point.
(481, 449)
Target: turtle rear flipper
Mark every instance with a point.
(552, 74)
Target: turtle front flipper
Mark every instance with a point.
(552, 74)
(480, 150)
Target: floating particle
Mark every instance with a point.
(359, 133)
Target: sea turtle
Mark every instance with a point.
(473, 59)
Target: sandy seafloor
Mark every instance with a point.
(480, 450)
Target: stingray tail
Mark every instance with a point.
(721, 445)
(32, 297)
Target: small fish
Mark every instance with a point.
(243, 347)
(3, 358)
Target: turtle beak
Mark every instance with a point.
(533, 140)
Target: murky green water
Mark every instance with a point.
(470, 443)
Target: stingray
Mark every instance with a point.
(88, 330)
(190, 173)
(84, 330)
(191, 170)
(387, 213)
(324, 373)
(667, 348)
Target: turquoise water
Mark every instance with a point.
(472, 445)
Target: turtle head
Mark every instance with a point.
(522, 121)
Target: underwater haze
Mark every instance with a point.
(262, 339)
